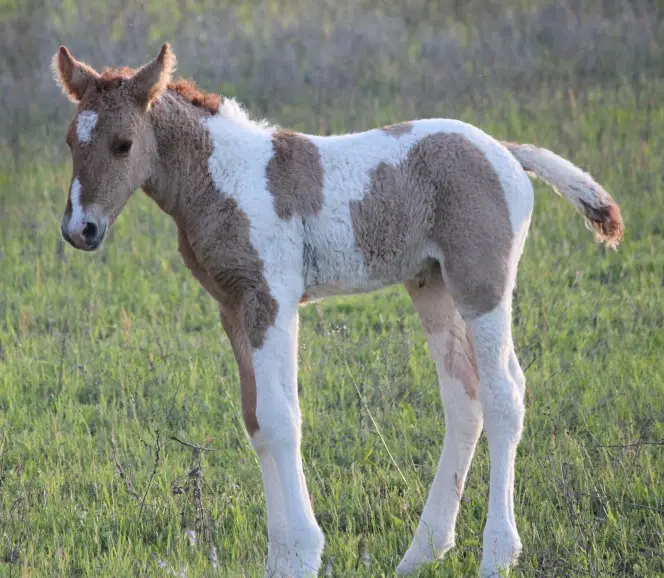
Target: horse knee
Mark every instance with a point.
(503, 407)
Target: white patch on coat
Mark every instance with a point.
(238, 165)
(85, 124)
(503, 408)
(348, 161)
(235, 112)
(238, 168)
(241, 151)
(463, 423)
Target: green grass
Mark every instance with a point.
(105, 357)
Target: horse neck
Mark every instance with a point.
(183, 149)
(186, 137)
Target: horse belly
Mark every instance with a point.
(335, 265)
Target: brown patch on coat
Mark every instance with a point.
(439, 316)
(445, 191)
(396, 130)
(213, 239)
(216, 229)
(189, 259)
(295, 176)
(459, 360)
(235, 328)
(232, 322)
(170, 149)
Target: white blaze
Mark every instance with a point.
(87, 120)
(75, 198)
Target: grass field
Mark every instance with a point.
(105, 358)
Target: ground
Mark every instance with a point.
(105, 358)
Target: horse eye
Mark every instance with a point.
(122, 147)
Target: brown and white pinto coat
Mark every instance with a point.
(267, 219)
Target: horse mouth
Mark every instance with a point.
(96, 244)
(89, 246)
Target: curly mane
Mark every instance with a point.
(112, 78)
(188, 90)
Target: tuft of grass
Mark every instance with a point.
(122, 450)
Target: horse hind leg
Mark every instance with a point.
(500, 393)
(452, 353)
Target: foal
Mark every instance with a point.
(268, 219)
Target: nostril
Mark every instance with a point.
(90, 231)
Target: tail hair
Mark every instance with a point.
(577, 186)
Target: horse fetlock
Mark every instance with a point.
(307, 546)
(278, 560)
(429, 544)
(501, 548)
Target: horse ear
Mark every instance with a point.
(74, 77)
(153, 78)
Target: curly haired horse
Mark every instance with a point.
(268, 219)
